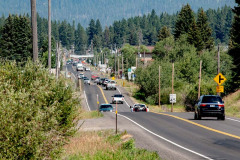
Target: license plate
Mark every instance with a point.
(212, 105)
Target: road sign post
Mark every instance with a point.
(98, 104)
(172, 99)
(116, 116)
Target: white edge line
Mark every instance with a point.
(87, 101)
(233, 119)
(166, 139)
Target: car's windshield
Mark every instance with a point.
(106, 106)
(211, 99)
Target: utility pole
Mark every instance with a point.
(49, 35)
(115, 73)
(144, 62)
(57, 54)
(199, 83)
(172, 84)
(122, 66)
(34, 30)
(159, 87)
(218, 66)
(118, 68)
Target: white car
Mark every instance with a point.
(139, 108)
(80, 76)
(118, 98)
(87, 69)
(86, 81)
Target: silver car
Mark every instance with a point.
(86, 81)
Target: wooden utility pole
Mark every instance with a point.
(136, 61)
(144, 62)
(57, 55)
(199, 83)
(159, 87)
(172, 84)
(218, 70)
(122, 66)
(34, 30)
(49, 35)
(118, 68)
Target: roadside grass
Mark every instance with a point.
(106, 145)
(232, 104)
(89, 114)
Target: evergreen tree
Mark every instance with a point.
(164, 33)
(91, 30)
(106, 38)
(235, 44)
(80, 39)
(16, 40)
(185, 21)
(205, 32)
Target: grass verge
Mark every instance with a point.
(106, 145)
(232, 104)
(89, 114)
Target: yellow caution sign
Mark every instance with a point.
(220, 79)
(113, 78)
(116, 112)
(97, 102)
(220, 89)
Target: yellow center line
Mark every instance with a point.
(202, 126)
(105, 99)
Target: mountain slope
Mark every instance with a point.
(105, 10)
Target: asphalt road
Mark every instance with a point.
(202, 139)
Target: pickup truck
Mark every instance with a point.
(111, 85)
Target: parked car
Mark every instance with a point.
(111, 85)
(97, 80)
(209, 106)
(101, 81)
(80, 75)
(105, 108)
(118, 98)
(93, 77)
(86, 81)
(139, 108)
(105, 82)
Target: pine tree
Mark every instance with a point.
(16, 40)
(80, 39)
(235, 43)
(184, 21)
(164, 33)
(91, 30)
(205, 32)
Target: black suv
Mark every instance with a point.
(209, 106)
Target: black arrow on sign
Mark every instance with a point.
(220, 79)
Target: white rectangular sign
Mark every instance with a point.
(172, 98)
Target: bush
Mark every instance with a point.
(36, 112)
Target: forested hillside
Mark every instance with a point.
(106, 11)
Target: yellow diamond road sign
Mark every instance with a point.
(113, 78)
(220, 79)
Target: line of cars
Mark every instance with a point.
(105, 82)
(85, 79)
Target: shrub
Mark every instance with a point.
(36, 112)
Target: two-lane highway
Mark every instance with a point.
(206, 139)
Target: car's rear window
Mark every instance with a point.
(211, 99)
(118, 95)
(106, 106)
